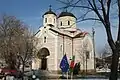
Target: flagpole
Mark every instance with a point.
(67, 75)
(72, 66)
(62, 74)
(71, 75)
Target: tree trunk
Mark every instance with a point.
(23, 70)
(114, 65)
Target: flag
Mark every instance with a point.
(64, 65)
(72, 64)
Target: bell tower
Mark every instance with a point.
(50, 18)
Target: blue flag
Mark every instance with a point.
(64, 65)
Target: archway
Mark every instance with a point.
(42, 54)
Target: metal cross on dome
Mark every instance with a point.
(50, 7)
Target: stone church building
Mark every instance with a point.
(59, 35)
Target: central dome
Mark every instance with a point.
(49, 12)
(62, 14)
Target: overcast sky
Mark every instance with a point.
(31, 11)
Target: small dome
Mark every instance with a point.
(66, 14)
(50, 12)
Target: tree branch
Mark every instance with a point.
(103, 10)
(88, 19)
(110, 39)
(108, 8)
(74, 4)
(84, 15)
(94, 8)
(62, 2)
(118, 37)
(81, 7)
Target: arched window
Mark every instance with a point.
(61, 47)
(54, 20)
(68, 22)
(61, 23)
(44, 39)
(87, 55)
(45, 20)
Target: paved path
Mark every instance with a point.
(50, 76)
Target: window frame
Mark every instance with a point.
(61, 23)
(45, 39)
(45, 20)
(68, 22)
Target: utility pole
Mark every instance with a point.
(93, 39)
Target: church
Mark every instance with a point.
(58, 36)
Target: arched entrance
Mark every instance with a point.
(42, 54)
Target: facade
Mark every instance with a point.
(59, 35)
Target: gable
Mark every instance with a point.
(45, 32)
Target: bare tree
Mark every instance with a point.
(8, 25)
(16, 42)
(85, 45)
(84, 55)
(105, 58)
(102, 10)
(106, 51)
(83, 59)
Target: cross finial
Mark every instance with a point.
(50, 7)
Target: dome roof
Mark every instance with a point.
(66, 14)
(49, 12)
